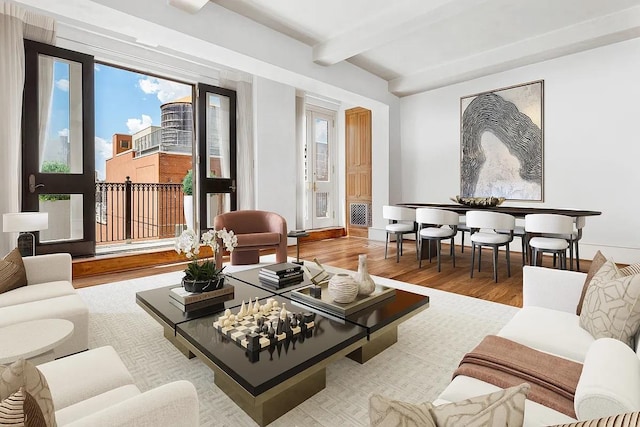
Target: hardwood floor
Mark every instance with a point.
(343, 252)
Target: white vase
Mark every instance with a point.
(366, 285)
(188, 211)
(342, 288)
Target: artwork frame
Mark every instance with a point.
(502, 143)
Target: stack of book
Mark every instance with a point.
(281, 275)
(190, 301)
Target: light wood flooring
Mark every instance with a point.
(343, 252)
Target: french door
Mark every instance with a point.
(320, 179)
(217, 149)
(58, 165)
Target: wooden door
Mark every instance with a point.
(358, 171)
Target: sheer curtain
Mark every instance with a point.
(16, 24)
(245, 156)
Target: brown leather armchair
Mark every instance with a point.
(255, 230)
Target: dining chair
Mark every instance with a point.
(436, 225)
(402, 221)
(518, 231)
(549, 232)
(484, 226)
(573, 238)
(463, 228)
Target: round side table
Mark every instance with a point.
(33, 340)
(297, 234)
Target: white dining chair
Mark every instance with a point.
(484, 226)
(546, 234)
(402, 221)
(436, 225)
(573, 238)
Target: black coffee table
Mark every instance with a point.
(271, 382)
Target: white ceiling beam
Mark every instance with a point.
(601, 31)
(190, 6)
(400, 20)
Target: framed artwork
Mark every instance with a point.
(501, 143)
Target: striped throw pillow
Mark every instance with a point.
(630, 419)
(21, 409)
(630, 270)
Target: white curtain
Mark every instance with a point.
(241, 83)
(16, 24)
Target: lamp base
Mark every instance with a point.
(27, 244)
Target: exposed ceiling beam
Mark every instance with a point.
(191, 6)
(400, 20)
(601, 31)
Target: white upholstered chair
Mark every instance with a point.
(549, 232)
(402, 221)
(483, 226)
(573, 238)
(437, 225)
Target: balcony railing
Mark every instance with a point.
(127, 211)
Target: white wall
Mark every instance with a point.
(591, 147)
(275, 142)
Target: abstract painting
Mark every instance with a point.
(501, 143)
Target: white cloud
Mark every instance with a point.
(136, 125)
(104, 151)
(63, 85)
(96, 67)
(165, 90)
(63, 132)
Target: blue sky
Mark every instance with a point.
(125, 102)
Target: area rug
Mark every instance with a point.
(416, 369)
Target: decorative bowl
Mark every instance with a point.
(342, 288)
(479, 202)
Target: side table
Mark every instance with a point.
(297, 234)
(33, 340)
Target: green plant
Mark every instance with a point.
(188, 244)
(187, 183)
(54, 166)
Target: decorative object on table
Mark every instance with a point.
(501, 143)
(191, 301)
(281, 275)
(479, 202)
(26, 223)
(202, 276)
(342, 288)
(366, 285)
(298, 234)
(271, 324)
(326, 303)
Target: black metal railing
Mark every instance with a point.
(127, 211)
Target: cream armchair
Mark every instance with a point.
(255, 230)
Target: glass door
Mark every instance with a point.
(216, 153)
(58, 165)
(320, 169)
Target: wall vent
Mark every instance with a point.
(360, 214)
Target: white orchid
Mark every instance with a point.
(189, 244)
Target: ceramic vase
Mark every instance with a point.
(366, 285)
(342, 288)
(198, 286)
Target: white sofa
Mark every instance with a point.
(48, 294)
(610, 379)
(95, 389)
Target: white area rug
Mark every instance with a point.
(417, 368)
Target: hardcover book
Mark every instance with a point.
(185, 298)
(211, 302)
(282, 268)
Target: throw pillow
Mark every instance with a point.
(23, 374)
(630, 270)
(596, 263)
(12, 272)
(504, 408)
(630, 419)
(611, 307)
(21, 409)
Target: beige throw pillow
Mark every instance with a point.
(23, 374)
(12, 272)
(611, 307)
(597, 262)
(630, 419)
(504, 408)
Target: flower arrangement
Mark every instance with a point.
(205, 270)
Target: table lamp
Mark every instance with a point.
(25, 223)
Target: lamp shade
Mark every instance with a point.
(25, 221)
